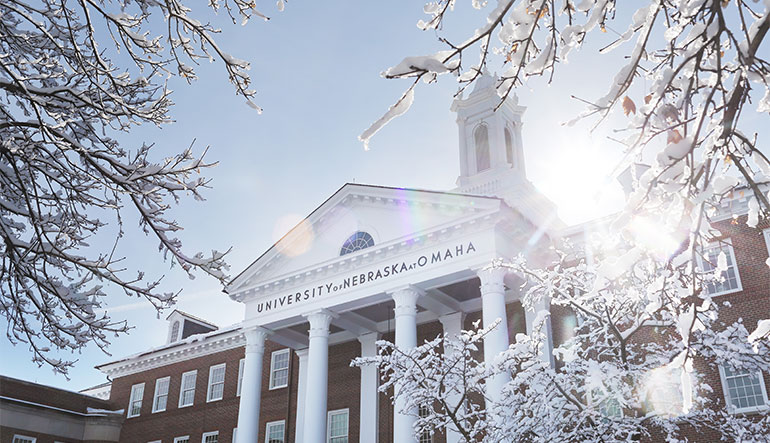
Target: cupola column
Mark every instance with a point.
(406, 338)
(317, 377)
(492, 310)
(251, 385)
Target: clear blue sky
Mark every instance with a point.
(316, 68)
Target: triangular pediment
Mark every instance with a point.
(389, 215)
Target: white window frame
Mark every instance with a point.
(155, 395)
(194, 373)
(31, 439)
(766, 234)
(273, 423)
(273, 370)
(211, 384)
(209, 434)
(728, 244)
(155, 441)
(235, 434)
(182, 439)
(132, 400)
(241, 365)
(329, 423)
(729, 404)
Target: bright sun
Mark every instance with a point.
(578, 180)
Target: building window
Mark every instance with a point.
(508, 146)
(481, 139)
(135, 402)
(425, 436)
(337, 426)
(274, 431)
(23, 439)
(240, 377)
(356, 242)
(744, 391)
(160, 398)
(187, 389)
(665, 392)
(216, 383)
(175, 331)
(766, 233)
(279, 369)
(730, 280)
(235, 435)
(210, 437)
(185, 439)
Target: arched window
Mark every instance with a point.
(481, 137)
(356, 242)
(175, 331)
(508, 146)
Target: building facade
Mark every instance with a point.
(374, 262)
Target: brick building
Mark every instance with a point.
(376, 262)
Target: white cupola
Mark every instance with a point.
(492, 151)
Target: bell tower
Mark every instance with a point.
(492, 151)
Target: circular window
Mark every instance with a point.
(356, 242)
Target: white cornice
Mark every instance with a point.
(193, 347)
(392, 248)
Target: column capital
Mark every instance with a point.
(255, 338)
(406, 300)
(492, 279)
(448, 321)
(368, 338)
(319, 322)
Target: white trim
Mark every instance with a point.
(728, 403)
(26, 438)
(191, 347)
(213, 368)
(273, 423)
(184, 438)
(209, 434)
(155, 395)
(241, 364)
(766, 234)
(329, 422)
(155, 441)
(273, 369)
(132, 400)
(722, 244)
(194, 373)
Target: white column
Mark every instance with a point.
(531, 316)
(301, 391)
(251, 386)
(317, 377)
(493, 309)
(453, 324)
(406, 338)
(369, 426)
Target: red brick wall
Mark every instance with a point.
(751, 304)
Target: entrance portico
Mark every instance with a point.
(422, 247)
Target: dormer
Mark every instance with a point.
(182, 325)
(490, 136)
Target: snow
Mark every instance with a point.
(399, 108)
